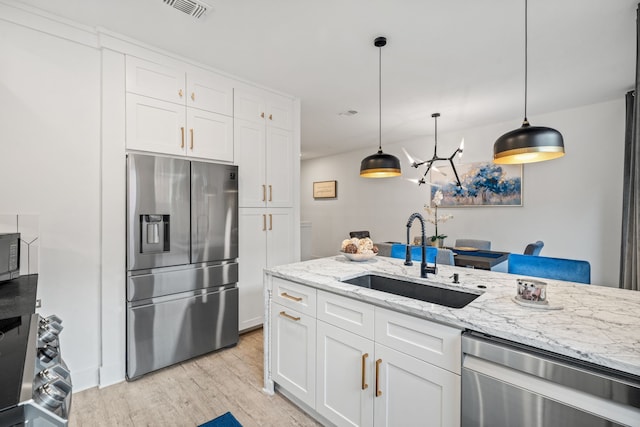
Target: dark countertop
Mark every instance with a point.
(18, 296)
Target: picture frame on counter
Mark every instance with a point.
(325, 189)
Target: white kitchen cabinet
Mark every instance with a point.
(293, 351)
(265, 238)
(209, 135)
(411, 392)
(179, 111)
(377, 367)
(154, 125)
(264, 147)
(263, 107)
(345, 376)
(160, 81)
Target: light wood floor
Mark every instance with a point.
(192, 393)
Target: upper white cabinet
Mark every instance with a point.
(262, 107)
(154, 80)
(264, 147)
(158, 94)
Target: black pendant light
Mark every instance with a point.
(380, 165)
(528, 144)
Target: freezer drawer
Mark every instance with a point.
(177, 329)
(153, 284)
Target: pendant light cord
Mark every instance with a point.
(526, 67)
(380, 100)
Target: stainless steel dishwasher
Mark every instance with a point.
(509, 384)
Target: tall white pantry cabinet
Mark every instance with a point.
(180, 110)
(266, 154)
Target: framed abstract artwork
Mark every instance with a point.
(483, 184)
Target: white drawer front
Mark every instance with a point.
(432, 342)
(295, 296)
(346, 313)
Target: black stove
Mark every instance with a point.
(35, 382)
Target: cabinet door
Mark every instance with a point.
(249, 105)
(154, 80)
(250, 156)
(280, 237)
(252, 255)
(413, 392)
(210, 135)
(279, 168)
(279, 112)
(344, 390)
(293, 352)
(209, 91)
(153, 125)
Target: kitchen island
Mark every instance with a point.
(594, 324)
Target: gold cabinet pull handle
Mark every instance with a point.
(364, 375)
(182, 135)
(270, 193)
(291, 297)
(264, 222)
(378, 391)
(264, 193)
(270, 222)
(180, 93)
(193, 96)
(191, 130)
(270, 116)
(288, 316)
(262, 114)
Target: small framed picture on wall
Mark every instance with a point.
(325, 189)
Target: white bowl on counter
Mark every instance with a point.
(358, 257)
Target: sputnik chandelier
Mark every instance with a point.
(416, 163)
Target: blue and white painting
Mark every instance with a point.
(483, 184)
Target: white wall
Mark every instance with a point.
(50, 167)
(573, 204)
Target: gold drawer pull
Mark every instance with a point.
(270, 116)
(264, 193)
(291, 297)
(180, 93)
(378, 391)
(270, 193)
(364, 376)
(264, 222)
(191, 130)
(270, 222)
(262, 114)
(288, 316)
(193, 96)
(182, 136)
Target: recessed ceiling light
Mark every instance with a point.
(348, 113)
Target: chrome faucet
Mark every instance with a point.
(423, 264)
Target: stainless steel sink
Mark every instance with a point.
(433, 294)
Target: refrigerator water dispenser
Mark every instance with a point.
(154, 233)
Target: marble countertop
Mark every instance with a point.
(596, 324)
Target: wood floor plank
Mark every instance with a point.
(192, 393)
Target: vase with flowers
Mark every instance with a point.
(434, 218)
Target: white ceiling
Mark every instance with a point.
(462, 58)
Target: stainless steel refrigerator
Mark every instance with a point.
(182, 270)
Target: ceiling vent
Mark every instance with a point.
(190, 7)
